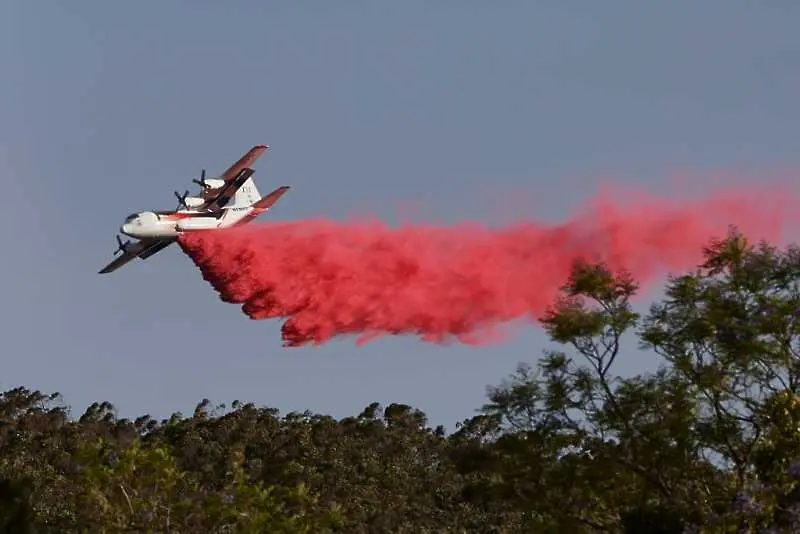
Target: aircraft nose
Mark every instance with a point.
(125, 228)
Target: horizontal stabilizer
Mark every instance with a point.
(263, 205)
(266, 202)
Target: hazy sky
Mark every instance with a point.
(448, 108)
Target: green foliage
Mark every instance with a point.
(707, 442)
(709, 439)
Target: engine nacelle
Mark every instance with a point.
(214, 183)
(193, 202)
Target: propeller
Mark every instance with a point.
(122, 246)
(182, 199)
(202, 181)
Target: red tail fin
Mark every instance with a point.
(263, 205)
(266, 202)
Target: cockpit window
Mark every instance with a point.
(131, 217)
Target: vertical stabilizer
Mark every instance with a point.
(247, 195)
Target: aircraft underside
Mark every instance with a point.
(171, 229)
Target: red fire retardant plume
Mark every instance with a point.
(457, 282)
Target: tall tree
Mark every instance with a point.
(706, 439)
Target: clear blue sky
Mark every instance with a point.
(370, 107)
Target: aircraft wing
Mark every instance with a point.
(234, 177)
(141, 249)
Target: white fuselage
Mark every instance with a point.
(168, 224)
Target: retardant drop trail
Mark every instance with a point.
(458, 282)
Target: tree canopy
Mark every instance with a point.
(707, 442)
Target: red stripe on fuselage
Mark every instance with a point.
(174, 216)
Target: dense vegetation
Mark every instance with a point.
(710, 442)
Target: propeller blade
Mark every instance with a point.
(202, 181)
(182, 199)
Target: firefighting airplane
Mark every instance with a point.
(212, 209)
